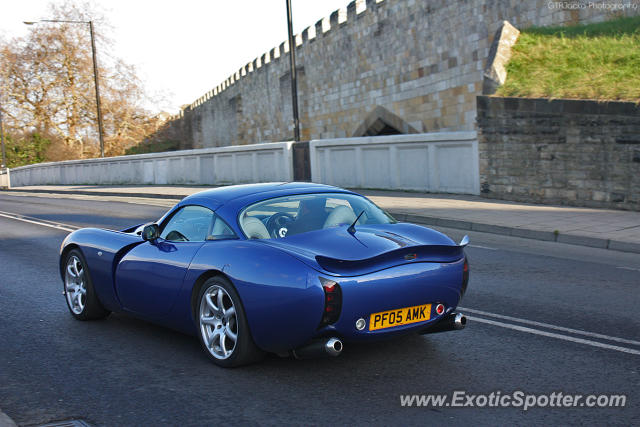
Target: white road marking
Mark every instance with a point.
(549, 326)
(483, 247)
(65, 227)
(629, 268)
(554, 335)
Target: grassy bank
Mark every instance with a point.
(595, 61)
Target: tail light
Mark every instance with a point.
(465, 276)
(332, 301)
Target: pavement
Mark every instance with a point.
(600, 228)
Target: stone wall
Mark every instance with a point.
(376, 67)
(575, 152)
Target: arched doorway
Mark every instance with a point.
(383, 122)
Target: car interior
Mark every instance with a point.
(299, 214)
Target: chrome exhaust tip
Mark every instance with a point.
(319, 348)
(333, 347)
(459, 321)
(451, 322)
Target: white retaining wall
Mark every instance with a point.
(225, 165)
(435, 162)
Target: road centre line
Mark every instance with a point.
(65, 227)
(554, 335)
(549, 326)
(483, 247)
(629, 268)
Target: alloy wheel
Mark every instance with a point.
(218, 322)
(74, 285)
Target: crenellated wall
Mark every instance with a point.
(375, 67)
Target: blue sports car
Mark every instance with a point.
(287, 268)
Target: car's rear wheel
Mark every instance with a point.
(224, 331)
(81, 298)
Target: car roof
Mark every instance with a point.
(217, 197)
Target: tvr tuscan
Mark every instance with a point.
(294, 268)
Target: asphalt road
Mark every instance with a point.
(122, 371)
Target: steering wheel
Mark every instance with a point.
(277, 224)
(176, 236)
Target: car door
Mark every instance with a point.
(149, 277)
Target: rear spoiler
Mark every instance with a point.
(410, 254)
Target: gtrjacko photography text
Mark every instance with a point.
(601, 5)
(515, 399)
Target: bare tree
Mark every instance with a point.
(46, 79)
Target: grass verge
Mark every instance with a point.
(593, 61)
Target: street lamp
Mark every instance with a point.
(4, 155)
(294, 80)
(95, 72)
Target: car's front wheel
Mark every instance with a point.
(81, 298)
(224, 331)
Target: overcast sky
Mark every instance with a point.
(184, 48)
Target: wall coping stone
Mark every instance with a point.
(394, 139)
(559, 105)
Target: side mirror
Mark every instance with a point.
(464, 242)
(150, 232)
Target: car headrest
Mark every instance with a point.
(254, 228)
(340, 215)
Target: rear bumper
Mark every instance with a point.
(395, 288)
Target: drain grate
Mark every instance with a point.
(67, 423)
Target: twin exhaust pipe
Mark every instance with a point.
(327, 347)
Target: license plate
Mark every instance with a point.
(401, 316)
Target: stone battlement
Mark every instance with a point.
(334, 21)
(376, 67)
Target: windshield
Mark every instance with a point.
(290, 215)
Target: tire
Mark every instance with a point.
(224, 331)
(80, 295)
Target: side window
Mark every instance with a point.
(189, 224)
(220, 230)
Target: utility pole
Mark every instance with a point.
(294, 81)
